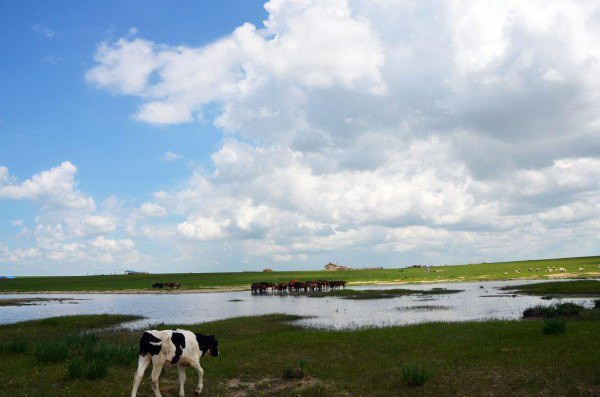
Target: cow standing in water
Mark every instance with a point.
(179, 347)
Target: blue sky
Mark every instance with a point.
(191, 136)
(50, 113)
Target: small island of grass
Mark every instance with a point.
(577, 288)
(381, 293)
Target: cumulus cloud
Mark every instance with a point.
(112, 245)
(69, 230)
(396, 127)
(316, 46)
(152, 210)
(55, 187)
(412, 130)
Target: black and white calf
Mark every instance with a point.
(179, 347)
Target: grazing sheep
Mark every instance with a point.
(518, 271)
(562, 269)
(530, 269)
(505, 273)
(582, 269)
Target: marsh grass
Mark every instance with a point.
(469, 358)
(414, 374)
(555, 326)
(577, 288)
(380, 293)
(51, 351)
(13, 346)
(82, 368)
(556, 310)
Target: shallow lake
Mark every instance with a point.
(477, 301)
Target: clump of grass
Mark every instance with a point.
(556, 310)
(294, 371)
(51, 351)
(81, 368)
(81, 342)
(555, 326)
(414, 375)
(117, 354)
(53, 321)
(13, 347)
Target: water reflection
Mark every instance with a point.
(478, 301)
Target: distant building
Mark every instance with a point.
(332, 267)
(134, 272)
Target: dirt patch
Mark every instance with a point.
(267, 386)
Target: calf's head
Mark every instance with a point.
(208, 344)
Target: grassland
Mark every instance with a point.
(260, 355)
(578, 288)
(212, 281)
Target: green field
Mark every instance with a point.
(495, 358)
(192, 281)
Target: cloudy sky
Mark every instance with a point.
(238, 135)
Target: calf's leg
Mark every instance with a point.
(156, 370)
(143, 363)
(181, 370)
(198, 368)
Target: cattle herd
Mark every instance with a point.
(296, 286)
(166, 285)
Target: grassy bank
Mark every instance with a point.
(265, 356)
(194, 281)
(578, 288)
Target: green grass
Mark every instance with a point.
(87, 368)
(578, 288)
(414, 375)
(555, 326)
(470, 358)
(557, 310)
(480, 271)
(380, 293)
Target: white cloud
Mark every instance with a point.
(170, 156)
(152, 210)
(112, 245)
(44, 31)
(55, 187)
(352, 129)
(125, 66)
(314, 45)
